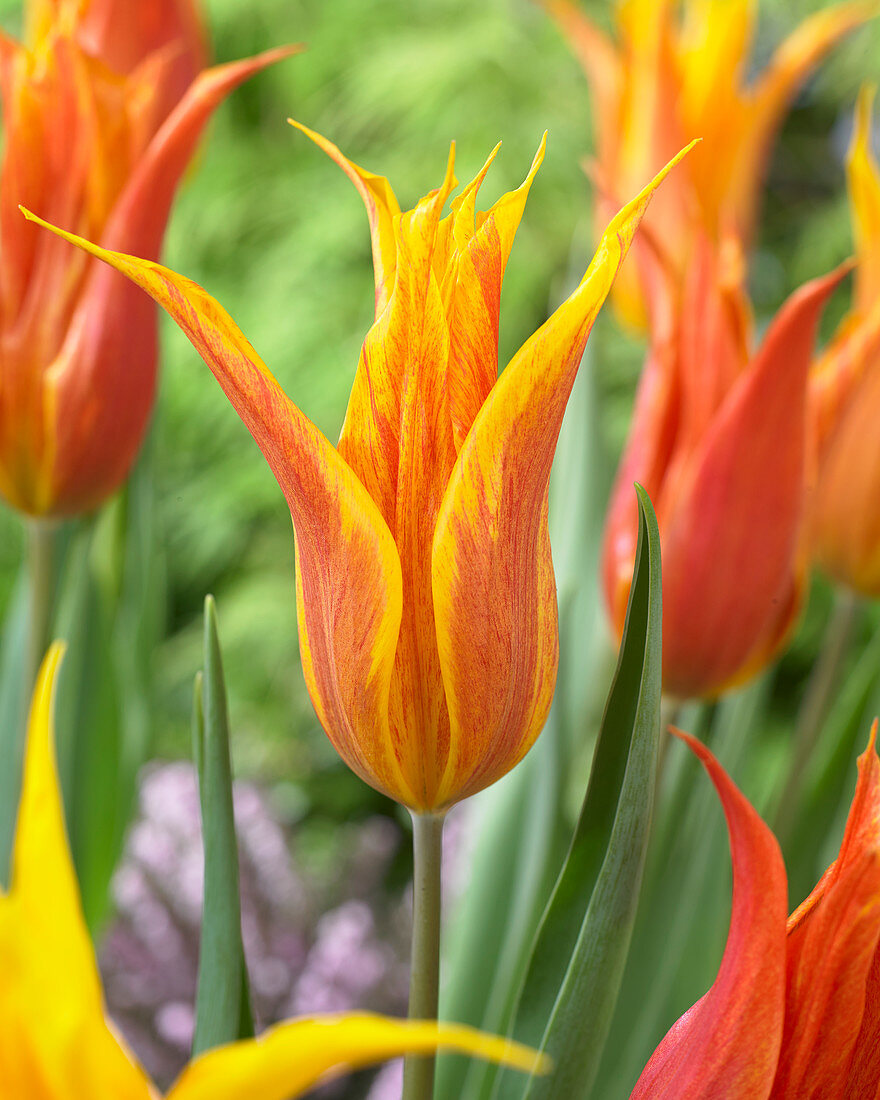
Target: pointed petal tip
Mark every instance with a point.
(635, 208)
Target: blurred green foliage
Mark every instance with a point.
(273, 229)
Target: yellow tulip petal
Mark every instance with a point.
(54, 1040)
(863, 177)
(291, 1058)
(494, 590)
(382, 208)
(349, 579)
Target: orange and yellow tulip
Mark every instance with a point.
(425, 591)
(55, 1040)
(795, 1008)
(681, 70)
(103, 105)
(844, 486)
(718, 440)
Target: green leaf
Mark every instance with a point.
(568, 996)
(223, 1011)
(87, 715)
(13, 647)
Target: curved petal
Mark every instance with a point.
(493, 585)
(110, 346)
(831, 947)
(291, 1058)
(382, 208)
(54, 1040)
(724, 582)
(728, 1043)
(349, 578)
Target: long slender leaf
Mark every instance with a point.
(13, 646)
(568, 996)
(222, 1001)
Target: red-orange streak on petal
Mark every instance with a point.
(494, 590)
(382, 208)
(417, 336)
(730, 542)
(110, 347)
(728, 1043)
(349, 572)
(831, 946)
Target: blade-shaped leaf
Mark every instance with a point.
(223, 1011)
(13, 711)
(568, 996)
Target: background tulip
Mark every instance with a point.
(674, 72)
(103, 148)
(845, 397)
(718, 439)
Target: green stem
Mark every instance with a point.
(41, 562)
(815, 707)
(418, 1072)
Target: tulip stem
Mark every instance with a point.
(41, 566)
(418, 1072)
(815, 706)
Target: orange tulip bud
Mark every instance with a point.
(677, 71)
(425, 590)
(795, 1008)
(98, 136)
(844, 483)
(718, 439)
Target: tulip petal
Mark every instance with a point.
(751, 463)
(831, 947)
(291, 1058)
(844, 513)
(493, 584)
(727, 1045)
(382, 208)
(863, 1079)
(788, 68)
(349, 589)
(474, 308)
(99, 353)
(863, 177)
(54, 1041)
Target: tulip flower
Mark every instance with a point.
(845, 397)
(55, 1040)
(425, 590)
(677, 71)
(102, 110)
(718, 440)
(795, 1008)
